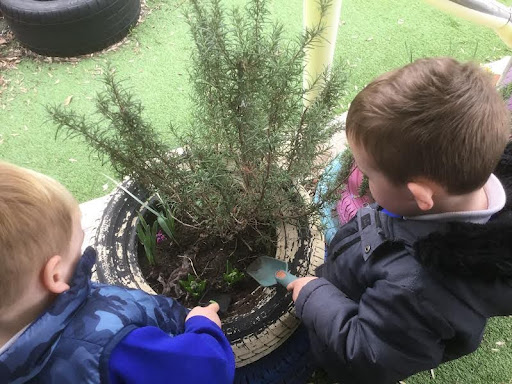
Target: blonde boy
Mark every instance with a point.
(58, 327)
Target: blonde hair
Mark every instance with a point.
(435, 118)
(36, 222)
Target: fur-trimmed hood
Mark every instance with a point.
(474, 250)
(481, 253)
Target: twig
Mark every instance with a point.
(191, 264)
(205, 267)
(245, 242)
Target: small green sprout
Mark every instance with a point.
(232, 275)
(194, 285)
(148, 237)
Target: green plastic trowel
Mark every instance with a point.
(268, 271)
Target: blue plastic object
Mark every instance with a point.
(284, 277)
(268, 271)
(329, 221)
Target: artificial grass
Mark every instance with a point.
(490, 364)
(375, 36)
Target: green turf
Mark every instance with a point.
(490, 364)
(375, 36)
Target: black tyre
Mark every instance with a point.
(69, 27)
(291, 363)
(256, 335)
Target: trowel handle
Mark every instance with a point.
(284, 278)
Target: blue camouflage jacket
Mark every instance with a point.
(71, 342)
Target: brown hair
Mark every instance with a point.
(435, 118)
(36, 222)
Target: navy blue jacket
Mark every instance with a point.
(396, 296)
(96, 333)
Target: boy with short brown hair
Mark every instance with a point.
(410, 282)
(417, 120)
(56, 326)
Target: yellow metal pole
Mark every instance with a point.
(320, 56)
(488, 13)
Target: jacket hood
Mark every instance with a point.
(479, 252)
(480, 255)
(483, 252)
(504, 172)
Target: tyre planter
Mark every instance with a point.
(253, 335)
(69, 27)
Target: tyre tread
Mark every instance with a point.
(71, 30)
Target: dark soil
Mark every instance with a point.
(207, 258)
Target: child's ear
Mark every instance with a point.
(54, 275)
(423, 194)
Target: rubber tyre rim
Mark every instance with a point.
(252, 335)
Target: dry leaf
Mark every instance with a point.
(369, 39)
(105, 187)
(2, 41)
(400, 21)
(68, 100)
(500, 343)
(495, 349)
(73, 160)
(15, 134)
(57, 81)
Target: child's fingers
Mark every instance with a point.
(214, 306)
(290, 286)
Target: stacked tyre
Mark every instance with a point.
(69, 27)
(269, 345)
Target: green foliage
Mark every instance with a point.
(251, 142)
(147, 236)
(194, 285)
(347, 162)
(166, 219)
(364, 188)
(506, 91)
(232, 275)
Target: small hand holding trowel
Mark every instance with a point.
(268, 271)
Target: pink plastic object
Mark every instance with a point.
(350, 201)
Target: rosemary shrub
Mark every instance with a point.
(251, 142)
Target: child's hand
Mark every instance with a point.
(298, 284)
(209, 312)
